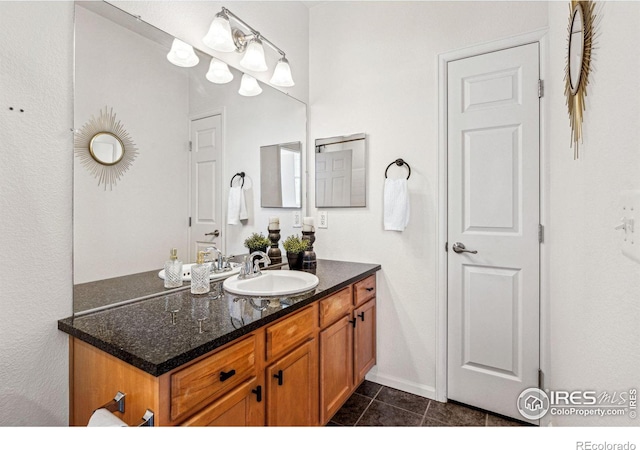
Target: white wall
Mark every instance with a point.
(36, 65)
(131, 227)
(595, 307)
(374, 69)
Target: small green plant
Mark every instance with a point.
(294, 244)
(257, 241)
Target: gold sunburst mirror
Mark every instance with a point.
(579, 46)
(105, 148)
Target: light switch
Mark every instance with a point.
(323, 219)
(297, 219)
(628, 227)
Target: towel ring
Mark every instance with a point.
(239, 174)
(398, 162)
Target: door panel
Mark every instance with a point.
(206, 187)
(493, 209)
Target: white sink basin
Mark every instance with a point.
(272, 283)
(186, 272)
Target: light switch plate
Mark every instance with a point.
(629, 226)
(297, 219)
(323, 219)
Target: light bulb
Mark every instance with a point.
(219, 72)
(249, 86)
(282, 74)
(254, 57)
(182, 54)
(219, 35)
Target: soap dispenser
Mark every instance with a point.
(200, 272)
(173, 270)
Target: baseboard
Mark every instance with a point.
(401, 384)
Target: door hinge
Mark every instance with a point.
(446, 246)
(190, 146)
(540, 379)
(540, 88)
(540, 233)
(189, 221)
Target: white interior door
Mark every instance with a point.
(206, 185)
(493, 209)
(333, 178)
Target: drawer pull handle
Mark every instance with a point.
(258, 392)
(353, 322)
(369, 289)
(361, 315)
(226, 375)
(279, 377)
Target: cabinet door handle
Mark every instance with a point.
(361, 315)
(279, 377)
(258, 392)
(226, 375)
(353, 322)
(369, 289)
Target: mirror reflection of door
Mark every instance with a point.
(281, 175)
(206, 187)
(333, 178)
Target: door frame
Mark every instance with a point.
(538, 36)
(222, 243)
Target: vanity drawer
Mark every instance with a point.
(204, 381)
(335, 306)
(291, 331)
(364, 290)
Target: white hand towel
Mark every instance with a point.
(396, 204)
(103, 418)
(237, 208)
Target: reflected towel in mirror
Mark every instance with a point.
(237, 208)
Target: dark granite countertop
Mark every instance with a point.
(161, 333)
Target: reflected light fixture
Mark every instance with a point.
(219, 72)
(225, 38)
(182, 54)
(249, 86)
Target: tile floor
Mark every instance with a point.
(375, 405)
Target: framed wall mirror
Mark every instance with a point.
(130, 230)
(281, 175)
(341, 171)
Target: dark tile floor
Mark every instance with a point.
(375, 405)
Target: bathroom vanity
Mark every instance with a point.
(220, 359)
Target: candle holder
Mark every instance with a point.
(274, 253)
(309, 256)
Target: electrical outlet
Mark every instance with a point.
(297, 219)
(323, 221)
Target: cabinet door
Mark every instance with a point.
(364, 353)
(292, 388)
(336, 367)
(244, 406)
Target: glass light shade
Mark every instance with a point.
(219, 72)
(282, 74)
(182, 54)
(253, 58)
(219, 35)
(249, 86)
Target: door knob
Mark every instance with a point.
(215, 233)
(459, 247)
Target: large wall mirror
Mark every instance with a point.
(341, 174)
(121, 62)
(281, 175)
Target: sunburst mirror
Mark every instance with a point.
(579, 46)
(105, 148)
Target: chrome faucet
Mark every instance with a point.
(218, 261)
(251, 269)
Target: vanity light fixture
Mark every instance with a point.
(249, 86)
(223, 38)
(219, 72)
(182, 54)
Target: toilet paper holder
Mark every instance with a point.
(118, 404)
